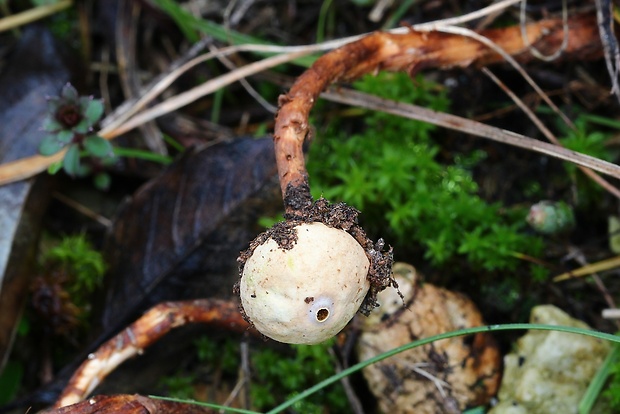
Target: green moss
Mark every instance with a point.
(276, 375)
(279, 377)
(388, 168)
(85, 267)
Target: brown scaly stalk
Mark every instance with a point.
(147, 330)
(409, 52)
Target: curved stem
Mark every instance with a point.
(409, 52)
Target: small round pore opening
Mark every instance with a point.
(322, 314)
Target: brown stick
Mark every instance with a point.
(147, 330)
(407, 52)
(129, 404)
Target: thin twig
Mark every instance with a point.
(610, 43)
(249, 88)
(199, 91)
(456, 123)
(553, 56)
(494, 46)
(31, 15)
(82, 209)
(547, 133)
(147, 330)
(580, 258)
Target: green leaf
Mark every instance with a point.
(94, 110)
(65, 136)
(98, 146)
(50, 145)
(69, 93)
(54, 167)
(83, 127)
(598, 382)
(51, 124)
(71, 162)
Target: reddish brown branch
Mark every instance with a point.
(129, 404)
(408, 52)
(147, 330)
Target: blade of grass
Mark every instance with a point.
(181, 17)
(398, 14)
(595, 119)
(142, 154)
(216, 107)
(173, 143)
(601, 120)
(187, 20)
(597, 383)
(320, 26)
(224, 34)
(414, 344)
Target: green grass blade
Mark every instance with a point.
(398, 14)
(597, 383)
(181, 17)
(187, 20)
(414, 344)
(142, 154)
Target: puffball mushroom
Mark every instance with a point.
(305, 293)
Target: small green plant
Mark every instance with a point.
(223, 354)
(276, 375)
(389, 169)
(69, 124)
(180, 385)
(61, 294)
(278, 378)
(77, 256)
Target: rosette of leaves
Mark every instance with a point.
(69, 124)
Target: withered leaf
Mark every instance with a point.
(180, 234)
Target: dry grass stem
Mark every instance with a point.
(547, 133)
(32, 15)
(479, 129)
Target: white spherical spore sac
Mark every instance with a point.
(306, 294)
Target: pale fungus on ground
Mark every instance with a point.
(302, 281)
(308, 293)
